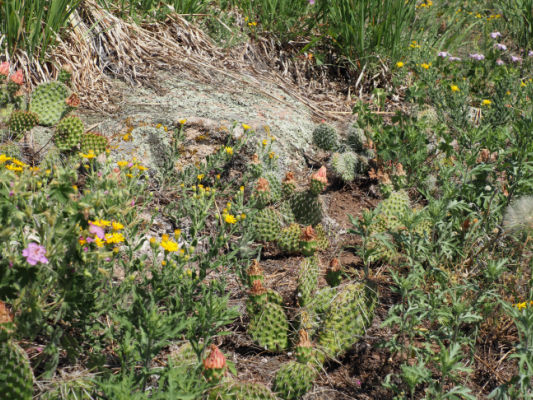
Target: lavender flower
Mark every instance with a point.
(530, 54)
(495, 35)
(499, 62)
(311, 2)
(516, 59)
(500, 46)
(443, 54)
(35, 253)
(477, 57)
(454, 58)
(98, 231)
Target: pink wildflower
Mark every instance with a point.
(35, 253)
(18, 77)
(98, 231)
(4, 68)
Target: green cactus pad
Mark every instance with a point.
(48, 102)
(307, 208)
(95, 142)
(321, 238)
(325, 137)
(350, 313)
(288, 240)
(16, 377)
(269, 327)
(293, 380)
(275, 186)
(266, 225)
(308, 279)
(241, 391)
(344, 164)
(68, 133)
(22, 121)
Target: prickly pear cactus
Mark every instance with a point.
(356, 139)
(68, 133)
(48, 101)
(322, 301)
(334, 273)
(254, 273)
(65, 75)
(274, 185)
(285, 211)
(289, 239)
(11, 149)
(344, 165)
(293, 380)
(241, 391)
(261, 196)
(306, 208)
(308, 241)
(318, 181)
(308, 279)
(304, 348)
(254, 167)
(266, 225)
(394, 209)
(325, 137)
(288, 185)
(16, 377)
(322, 240)
(350, 313)
(268, 325)
(95, 142)
(22, 121)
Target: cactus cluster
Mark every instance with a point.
(68, 133)
(16, 377)
(294, 379)
(285, 214)
(241, 391)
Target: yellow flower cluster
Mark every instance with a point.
(12, 164)
(131, 165)
(169, 245)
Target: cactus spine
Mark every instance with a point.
(325, 137)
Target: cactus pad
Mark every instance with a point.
(308, 279)
(68, 133)
(48, 102)
(22, 121)
(266, 225)
(241, 391)
(289, 239)
(293, 380)
(95, 142)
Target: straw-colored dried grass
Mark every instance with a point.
(99, 46)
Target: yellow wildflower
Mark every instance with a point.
(90, 154)
(169, 245)
(114, 237)
(246, 127)
(159, 126)
(218, 176)
(241, 188)
(425, 65)
(117, 226)
(265, 142)
(163, 263)
(486, 102)
(271, 154)
(4, 158)
(455, 88)
(229, 150)
(177, 233)
(200, 177)
(122, 163)
(400, 64)
(182, 121)
(243, 216)
(12, 167)
(99, 242)
(101, 223)
(230, 219)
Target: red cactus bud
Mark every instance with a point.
(73, 100)
(334, 265)
(255, 269)
(320, 175)
(304, 339)
(215, 359)
(289, 177)
(308, 234)
(18, 77)
(257, 288)
(262, 185)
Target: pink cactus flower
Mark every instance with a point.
(97, 231)
(4, 68)
(18, 77)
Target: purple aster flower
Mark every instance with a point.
(454, 58)
(499, 62)
(311, 2)
(98, 231)
(516, 59)
(530, 54)
(477, 57)
(495, 35)
(500, 46)
(35, 253)
(443, 54)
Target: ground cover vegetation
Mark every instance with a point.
(92, 305)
